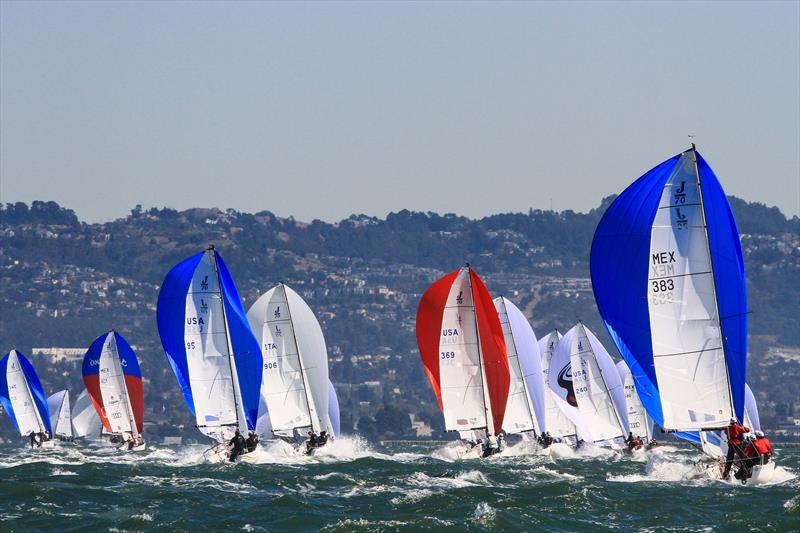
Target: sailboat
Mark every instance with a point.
(23, 398)
(294, 385)
(60, 415)
(591, 391)
(558, 424)
(114, 382)
(464, 354)
(86, 422)
(639, 423)
(669, 280)
(213, 353)
(525, 404)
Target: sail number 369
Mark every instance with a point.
(448, 355)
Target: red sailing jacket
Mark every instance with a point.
(763, 446)
(735, 431)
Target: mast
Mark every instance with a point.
(713, 278)
(309, 399)
(521, 372)
(234, 376)
(484, 388)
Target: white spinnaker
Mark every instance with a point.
(519, 415)
(560, 381)
(60, 416)
(638, 422)
(19, 393)
(752, 420)
(113, 389)
(558, 424)
(464, 402)
(688, 355)
(215, 392)
(85, 420)
(594, 387)
(295, 373)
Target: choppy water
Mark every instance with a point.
(358, 488)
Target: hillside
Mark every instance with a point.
(64, 282)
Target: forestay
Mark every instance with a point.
(22, 395)
(209, 344)
(668, 275)
(525, 404)
(60, 415)
(557, 423)
(295, 361)
(598, 389)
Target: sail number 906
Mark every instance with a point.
(448, 355)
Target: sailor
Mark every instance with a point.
(630, 440)
(32, 436)
(759, 450)
(41, 439)
(491, 446)
(312, 442)
(252, 442)
(501, 442)
(131, 442)
(749, 457)
(734, 433)
(652, 444)
(237, 444)
(323, 438)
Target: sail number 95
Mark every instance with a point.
(448, 355)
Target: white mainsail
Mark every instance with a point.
(557, 423)
(60, 415)
(114, 391)
(639, 423)
(212, 369)
(598, 389)
(465, 403)
(85, 420)
(294, 387)
(19, 393)
(520, 415)
(688, 354)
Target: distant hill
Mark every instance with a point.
(64, 282)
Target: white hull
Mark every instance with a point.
(762, 474)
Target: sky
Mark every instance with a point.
(321, 110)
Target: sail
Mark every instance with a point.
(598, 389)
(639, 423)
(22, 395)
(525, 404)
(60, 415)
(208, 342)
(85, 420)
(668, 276)
(295, 370)
(114, 382)
(333, 411)
(557, 423)
(752, 420)
(561, 382)
(462, 348)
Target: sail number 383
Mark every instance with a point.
(663, 285)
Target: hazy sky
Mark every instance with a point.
(320, 110)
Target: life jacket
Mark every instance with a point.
(763, 446)
(734, 433)
(750, 451)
